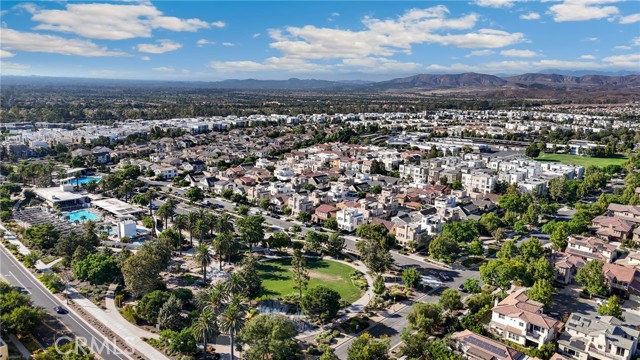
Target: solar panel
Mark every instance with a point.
(486, 346)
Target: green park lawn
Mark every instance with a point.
(582, 160)
(277, 278)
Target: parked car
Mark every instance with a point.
(60, 310)
(461, 288)
(444, 277)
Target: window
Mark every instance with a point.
(513, 336)
(500, 316)
(619, 351)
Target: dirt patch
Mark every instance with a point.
(325, 277)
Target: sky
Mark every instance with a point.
(333, 40)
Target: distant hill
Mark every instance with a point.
(586, 80)
(446, 81)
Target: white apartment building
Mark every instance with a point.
(598, 337)
(521, 320)
(480, 181)
(166, 172)
(419, 174)
(349, 219)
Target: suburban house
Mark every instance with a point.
(521, 320)
(591, 248)
(101, 153)
(612, 228)
(623, 281)
(597, 337)
(324, 211)
(299, 203)
(167, 172)
(627, 212)
(349, 219)
(477, 347)
(566, 266)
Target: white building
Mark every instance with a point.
(349, 219)
(598, 337)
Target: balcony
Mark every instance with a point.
(606, 354)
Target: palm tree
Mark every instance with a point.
(203, 259)
(192, 220)
(204, 328)
(201, 230)
(212, 298)
(233, 285)
(165, 213)
(224, 224)
(83, 218)
(211, 220)
(231, 320)
(222, 245)
(180, 224)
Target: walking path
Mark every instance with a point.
(114, 315)
(24, 352)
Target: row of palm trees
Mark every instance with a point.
(221, 311)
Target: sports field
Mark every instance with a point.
(582, 160)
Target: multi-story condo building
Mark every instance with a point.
(349, 219)
(521, 320)
(597, 338)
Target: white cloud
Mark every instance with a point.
(4, 54)
(204, 42)
(496, 3)
(33, 42)
(13, 68)
(622, 47)
(582, 10)
(630, 19)
(164, 69)
(635, 41)
(162, 46)
(256, 35)
(228, 44)
(480, 53)
(519, 53)
(626, 61)
(530, 16)
(379, 65)
(587, 57)
(112, 21)
(593, 38)
(145, 58)
(270, 64)
(219, 24)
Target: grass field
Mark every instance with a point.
(582, 160)
(277, 279)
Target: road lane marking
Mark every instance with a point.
(20, 282)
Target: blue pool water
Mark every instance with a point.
(78, 214)
(85, 180)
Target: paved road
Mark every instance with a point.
(17, 275)
(391, 326)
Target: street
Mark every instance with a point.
(17, 275)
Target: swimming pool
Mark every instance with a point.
(81, 216)
(84, 180)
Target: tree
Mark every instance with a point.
(334, 245)
(444, 247)
(377, 167)
(165, 212)
(611, 308)
(450, 300)
(328, 354)
(169, 316)
(321, 302)
(379, 287)
(475, 248)
(251, 230)
(192, 221)
(531, 216)
(532, 151)
(418, 346)
(231, 321)
(471, 286)
(21, 319)
(331, 223)
(498, 273)
(376, 189)
(559, 236)
(558, 189)
(457, 185)
(490, 222)
(268, 337)
(222, 245)
(203, 259)
(303, 217)
(426, 317)
(204, 328)
(279, 240)
(411, 277)
(375, 255)
(224, 224)
(42, 236)
(542, 292)
(149, 306)
(366, 347)
(180, 223)
(463, 231)
(72, 350)
(592, 278)
(314, 241)
(508, 250)
(195, 194)
(141, 271)
(531, 250)
(97, 268)
(249, 281)
(300, 272)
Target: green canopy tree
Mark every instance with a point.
(268, 337)
(592, 278)
(321, 302)
(366, 347)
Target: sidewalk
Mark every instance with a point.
(24, 352)
(22, 249)
(129, 332)
(115, 315)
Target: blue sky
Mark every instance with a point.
(214, 40)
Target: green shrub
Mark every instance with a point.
(129, 313)
(52, 282)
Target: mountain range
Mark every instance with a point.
(470, 81)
